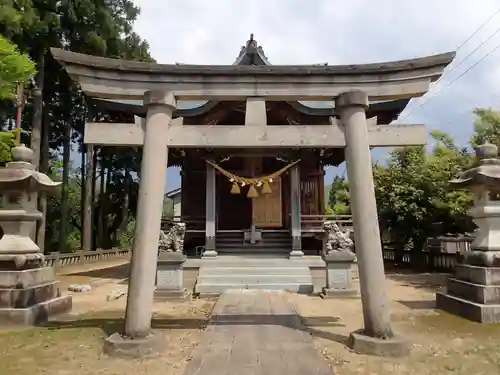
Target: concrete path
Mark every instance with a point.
(255, 333)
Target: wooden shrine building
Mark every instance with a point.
(253, 139)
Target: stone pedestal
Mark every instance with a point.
(296, 254)
(169, 276)
(30, 296)
(339, 275)
(473, 293)
(209, 253)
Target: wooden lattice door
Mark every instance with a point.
(266, 209)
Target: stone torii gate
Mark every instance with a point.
(160, 86)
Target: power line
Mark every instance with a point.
(426, 101)
(468, 39)
(479, 29)
(473, 51)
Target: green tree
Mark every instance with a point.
(7, 141)
(55, 115)
(413, 193)
(486, 127)
(338, 199)
(15, 68)
(168, 208)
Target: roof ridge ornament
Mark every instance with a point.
(251, 53)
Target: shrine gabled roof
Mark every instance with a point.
(251, 54)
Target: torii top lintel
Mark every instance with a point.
(109, 78)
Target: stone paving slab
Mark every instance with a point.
(256, 333)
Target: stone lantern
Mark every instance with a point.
(28, 291)
(474, 291)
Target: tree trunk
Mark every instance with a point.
(107, 228)
(102, 213)
(83, 177)
(44, 166)
(88, 199)
(93, 215)
(63, 227)
(36, 126)
(126, 199)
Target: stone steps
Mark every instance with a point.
(254, 270)
(255, 250)
(273, 243)
(261, 274)
(253, 260)
(221, 288)
(266, 243)
(245, 279)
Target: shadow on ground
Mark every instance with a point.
(112, 325)
(431, 282)
(111, 322)
(419, 305)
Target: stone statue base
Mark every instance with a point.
(169, 276)
(30, 296)
(339, 275)
(472, 293)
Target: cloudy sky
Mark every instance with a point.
(342, 32)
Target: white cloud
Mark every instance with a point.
(339, 32)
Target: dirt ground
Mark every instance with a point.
(72, 344)
(442, 343)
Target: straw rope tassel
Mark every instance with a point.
(235, 189)
(266, 188)
(252, 192)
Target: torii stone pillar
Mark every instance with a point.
(137, 338)
(377, 336)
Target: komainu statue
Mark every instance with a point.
(173, 240)
(335, 239)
